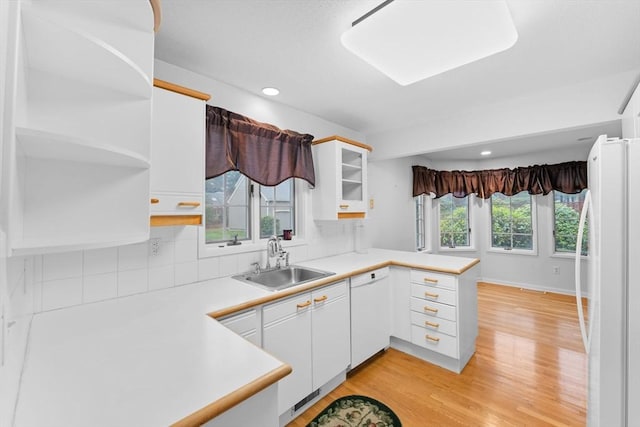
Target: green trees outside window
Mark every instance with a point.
(511, 221)
(567, 208)
(454, 221)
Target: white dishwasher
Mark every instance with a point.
(370, 314)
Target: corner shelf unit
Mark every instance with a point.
(77, 144)
(341, 181)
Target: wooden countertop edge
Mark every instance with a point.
(181, 89)
(343, 139)
(227, 402)
(327, 280)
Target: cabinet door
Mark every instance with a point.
(177, 148)
(331, 334)
(352, 187)
(287, 336)
(370, 319)
(400, 307)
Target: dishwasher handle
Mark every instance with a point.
(369, 277)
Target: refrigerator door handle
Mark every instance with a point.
(583, 217)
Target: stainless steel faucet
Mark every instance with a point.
(273, 249)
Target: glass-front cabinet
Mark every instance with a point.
(341, 179)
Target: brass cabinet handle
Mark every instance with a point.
(322, 298)
(304, 304)
(431, 295)
(430, 280)
(189, 204)
(154, 201)
(433, 310)
(344, 206)
(430, 338)
(432, 324)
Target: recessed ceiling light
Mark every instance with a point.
(411, 40)
(485, 153)
(270, 91)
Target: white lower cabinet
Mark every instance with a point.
(287, 336)
(310, 332)
(330, 333)
(443, 318)
(370, 314)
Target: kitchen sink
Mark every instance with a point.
(282, 278)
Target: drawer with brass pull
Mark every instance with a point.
(431, 278)
(429, 323)
(435, 341)
(431, 293)
(175, 204)
(433, 309)
(286, 308)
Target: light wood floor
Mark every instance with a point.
(529, 369)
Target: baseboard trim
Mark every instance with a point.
(527, 286)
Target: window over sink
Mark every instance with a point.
(235, 206)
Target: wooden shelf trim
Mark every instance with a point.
(343, 139)
(157, 14)
(181, 89)
(351, 215)
(165, 220)
(227, 402)
(331, 279)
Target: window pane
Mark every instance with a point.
(277, 209)
(511, 221)
(567, 208)
(420, 223)
(227, 208)
(454, 221)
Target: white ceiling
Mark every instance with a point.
(295, 45)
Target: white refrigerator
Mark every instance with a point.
(610, 324)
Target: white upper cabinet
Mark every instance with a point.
(341, 179)
(77, 140)
(177, 155)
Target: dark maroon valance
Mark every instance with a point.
(569, 177)
(262, 152)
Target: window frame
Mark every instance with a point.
(470, 234)
(207, 250)
(534, 230)
(554, 252)
(420, 209)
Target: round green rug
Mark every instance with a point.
(356, 411)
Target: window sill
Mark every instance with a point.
(220, 249)
(533, 252)
(457, 249)
(567, 255)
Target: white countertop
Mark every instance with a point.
(155, 358)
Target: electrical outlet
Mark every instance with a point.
(371, 203)
(556, 269)
(154, 246)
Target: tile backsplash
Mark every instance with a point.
(73, 278)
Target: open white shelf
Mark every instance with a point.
(41, 144)
(78, 153)
(60, 50)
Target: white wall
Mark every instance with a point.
(392, 221)
(596, 101)
(390, 224)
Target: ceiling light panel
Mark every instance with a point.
(411, 40)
